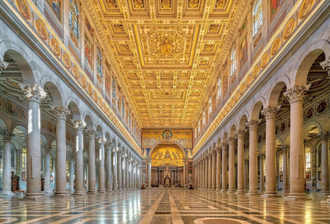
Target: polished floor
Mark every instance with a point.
(162, 206)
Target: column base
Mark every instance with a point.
(62, 195)
(101, 190)
(240, 192)
(217, 190)
(79, 193)
(92, 191)
(36, 197)
(231, 191)
(270, 195)
(297, 197)
(252, 193)
(109, 190)
(7, 193)
(223, 191)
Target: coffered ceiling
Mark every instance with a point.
(165, 52)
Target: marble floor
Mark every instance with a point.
(162, 206)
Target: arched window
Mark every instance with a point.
(24, 156)
(73, 17)
(204, 117)
(130, 118)
(210, 105)
(51, 167)
(308, 158)
(219, 87)
(280, 162)
(199, 126)
(257, 17)
(233, 61)
(99, 62)
(113, 88)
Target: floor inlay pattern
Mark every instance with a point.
(163, 206)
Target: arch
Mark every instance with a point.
(99, 131)
(19, 130)
(107, 136)
(44, 140)
(327, 125)
(308, 127)
(54, 90)
(25, 64)
(275, 93)
(232, 131)
(310, 54)
(87, 117)
(225, 136)
(3, 126)
(162, 142)
(242, 122)
(218, 142)
(75, 110)
(255, 111)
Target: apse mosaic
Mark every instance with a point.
(167, 156)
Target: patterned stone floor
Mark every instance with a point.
(162, 206)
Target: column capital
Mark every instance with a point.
(91, 133)
(324, 135)
(261, 156)
(218, 149)
(285, 148)
(7, 136)
(270, 112)
(47, 149)
(253, 125)
(33, 92)
(60, 112)
(246, 161)
(109, 145)
(101, 140)
(326, 65)
(230, 140)
(240, 134)
(296, 93)
(223, 146)
(78, 124)
(3, 64)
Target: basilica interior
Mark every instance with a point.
(165, 111)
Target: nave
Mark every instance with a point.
(162, 206)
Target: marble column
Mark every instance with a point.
(246, 173)
(47, 170)
(149, 174)
(213, 170)
(184, 173)
(72, 173)
(91, 161)
(240, 161)
(119, 167)
(109, 166)
(218, 177)
(124, 169)
(203, 173)
(79, 125)
(261, 165)
(206, 171)
(285, 149)
(115, 172)
(297, 153)
(224, 167)
(61, 114)
(270, 114)
(101, 185)
(34, 95)
(231, 141)
(209, 173)
(253, 166)
(325, 164)
(6, 182)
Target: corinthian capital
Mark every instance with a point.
(101, 140)
(91, 133)
(253, 125)
(33, 92)
(3, 65)
(223, 146)
(60, 112)
(270, 112)
(79, 124)
(324, 135)
(326, 65)
(109, 145)
(296, 93)
(240, 134)
(7, 136)
(230, 140)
